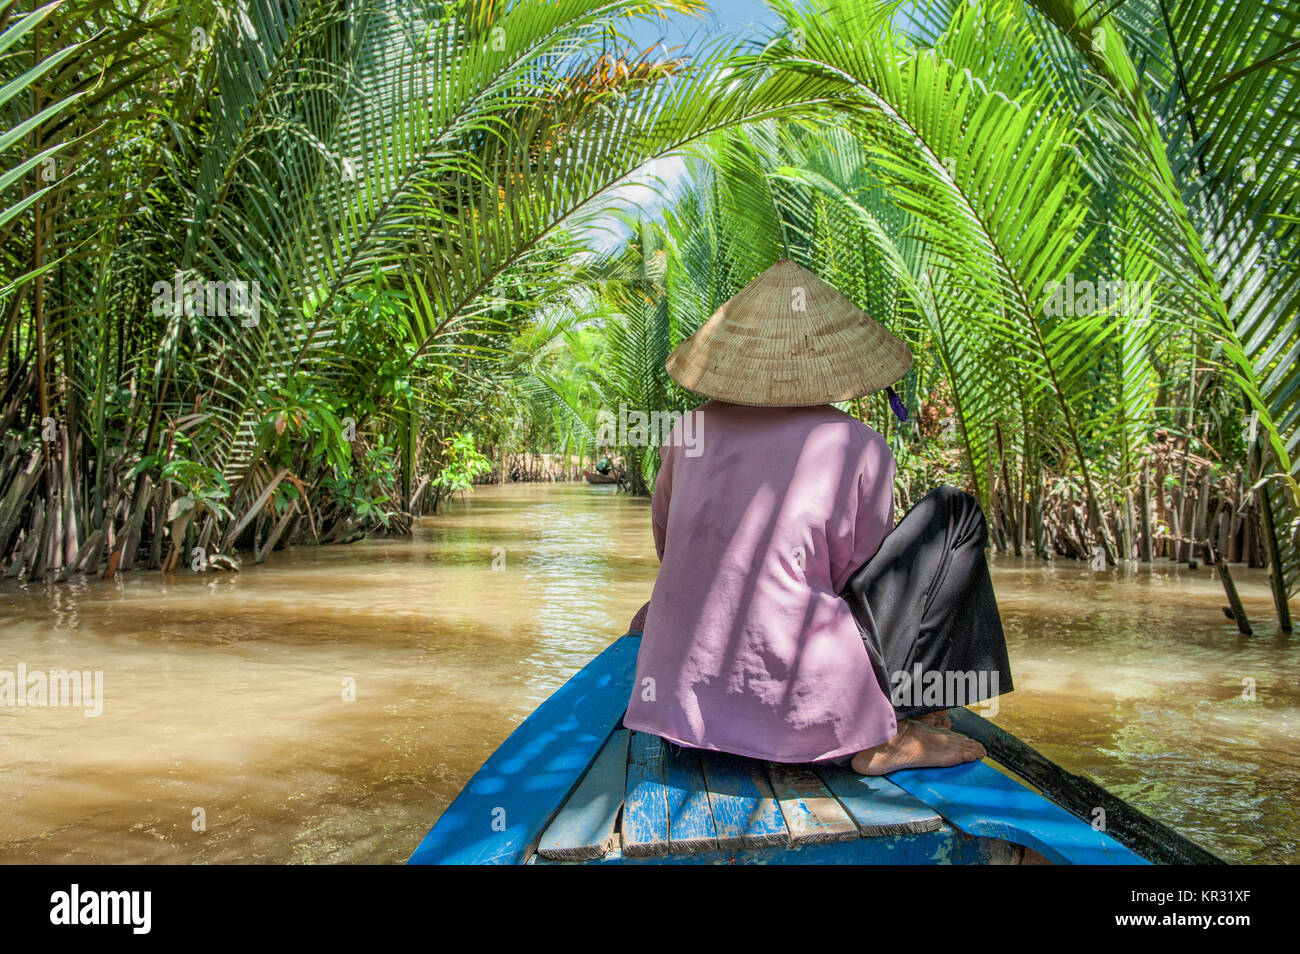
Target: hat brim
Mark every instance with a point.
(789, 339)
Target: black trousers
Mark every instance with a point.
(924, 603)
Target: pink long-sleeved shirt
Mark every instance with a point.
(759, 521)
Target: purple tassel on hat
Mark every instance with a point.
(897, 404)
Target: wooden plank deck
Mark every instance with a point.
(943, 847)
(745, 813)
(811, 812)
(690, 820)
(645, 809)
(877, 805)
(686, 806)
(585, 827)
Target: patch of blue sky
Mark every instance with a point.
(648, 190)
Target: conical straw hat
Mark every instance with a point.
(788, 339)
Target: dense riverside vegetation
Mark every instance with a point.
(292, 271)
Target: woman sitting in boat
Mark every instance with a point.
(791, 620)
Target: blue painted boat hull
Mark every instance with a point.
(503, 811)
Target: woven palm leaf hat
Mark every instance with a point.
(789, 339)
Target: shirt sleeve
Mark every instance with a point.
(874, 518)
(659, 501)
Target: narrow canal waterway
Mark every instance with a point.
(226, 698)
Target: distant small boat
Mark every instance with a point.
(595, 477)
(571, 785)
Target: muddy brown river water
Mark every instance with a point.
(328, 705)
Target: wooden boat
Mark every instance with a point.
(595, 477)
(572, 786)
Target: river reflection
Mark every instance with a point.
(224, 696)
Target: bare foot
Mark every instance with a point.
(917, 746)
(936, 720)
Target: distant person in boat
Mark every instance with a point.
(791, 620)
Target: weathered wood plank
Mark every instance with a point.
(645, 806)
(690, 819)
(584, 828)
(877, 805)
(943, 847)
(745, 813)
(503, 810)
(1137, 831)
(811, 812)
